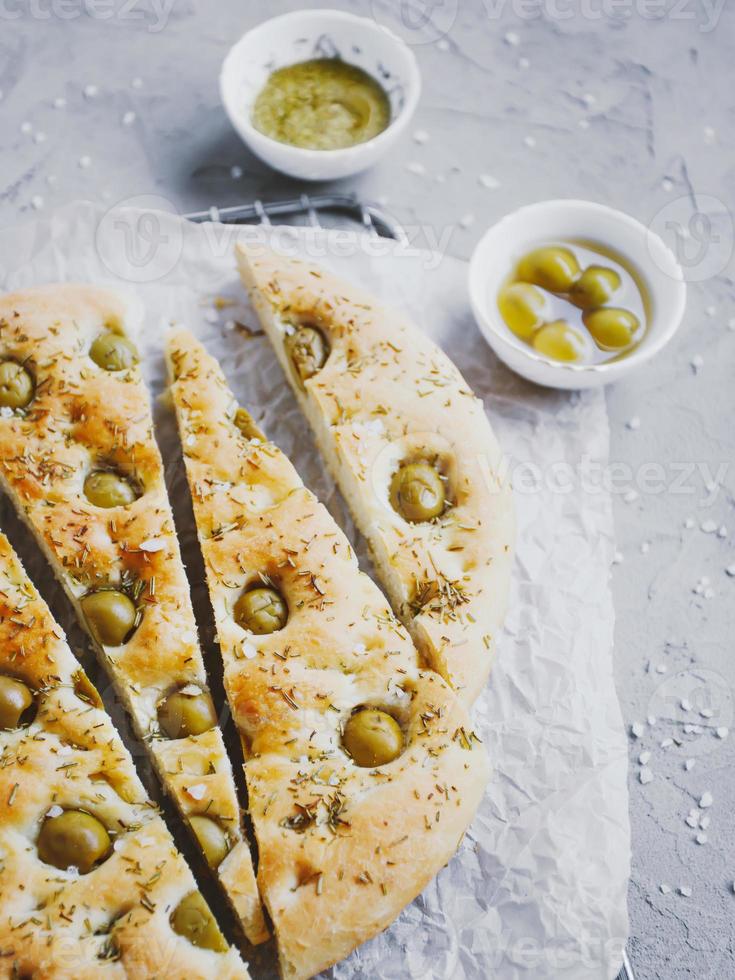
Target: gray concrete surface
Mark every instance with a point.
(624, 101)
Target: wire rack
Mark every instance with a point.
(373, 219)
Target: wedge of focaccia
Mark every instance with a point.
(362, 770)
(411, 449)
(91, 883)
(80, 462)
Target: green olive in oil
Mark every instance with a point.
(575, 301)
(321, 104)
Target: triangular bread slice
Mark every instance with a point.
(86, 422)
(117, 913)
(387, 397)
(342, 847)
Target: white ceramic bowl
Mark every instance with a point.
(307, 34)
(505, 242)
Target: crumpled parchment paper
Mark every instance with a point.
(538, 888)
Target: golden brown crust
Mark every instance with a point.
(388, 395)
(83, 417)
(342, 848)
(114, 920)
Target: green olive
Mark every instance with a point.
(15, 699)
(417, 492)
(611, 327)
(192, 919)
(373, 737)
(261, 610)
(560, 341)
(308, 349)
(183, 714)
(105, 489)
(552, 267)
(110, 616)
(73, 839)
(594, 287)
(113, 352)
(16, 385)
(212, 839)
(244, 422)
(522, 307)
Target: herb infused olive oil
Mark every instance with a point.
(575, 301)
(322, 104)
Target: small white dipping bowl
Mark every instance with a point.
(557, 221)
(307, 34)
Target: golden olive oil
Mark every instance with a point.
(322, 104)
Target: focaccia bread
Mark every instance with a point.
(79, 460)
(411, 449)
(362, 769)
(91, 883)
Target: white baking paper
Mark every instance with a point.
(538, 888)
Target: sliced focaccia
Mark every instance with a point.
(80, 462)
(362, 770)
(411, 449)
(91, 883)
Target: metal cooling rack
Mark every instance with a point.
(372, 218)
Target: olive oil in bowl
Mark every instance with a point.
(321, 104)
(575, 301)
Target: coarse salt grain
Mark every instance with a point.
(420, 136)
(90, 91)
(152, 544)
(416, 168)
(644, 757)
(646, 776)
(636, 729)
(701, 838)
(54, 811)
(690, 764)
(488, 181)
(706, 800)
(685, 891)
(722, 732)
(249, 651)
(197, 791)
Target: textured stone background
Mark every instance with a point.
(628, 102)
